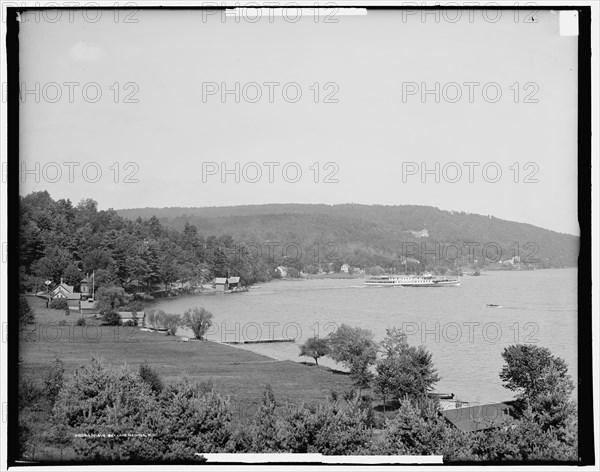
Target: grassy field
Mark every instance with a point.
(240, 374)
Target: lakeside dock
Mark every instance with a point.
(262, 341)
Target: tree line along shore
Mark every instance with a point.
(148, 257)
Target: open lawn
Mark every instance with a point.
(240, 374)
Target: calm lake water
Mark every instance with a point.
(465, 337)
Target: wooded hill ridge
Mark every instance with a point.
(365, 235)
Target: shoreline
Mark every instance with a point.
(327, 277)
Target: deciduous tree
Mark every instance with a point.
(541, 381)
(356, 350)
(171, 322)
(110, 298)
(315, 348)
(403, 370)
(199, 320)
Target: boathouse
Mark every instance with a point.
(233, 282)
(479, 417)
(221, 284)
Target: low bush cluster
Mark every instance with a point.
(112, 318)
(118, 415)
(26, 313)
(59, 304)
(115, 414)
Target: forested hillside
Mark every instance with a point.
(149, 249)
(59, 240)
(367, 235)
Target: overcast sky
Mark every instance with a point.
(377, 128)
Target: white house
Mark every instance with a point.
(282, 270)
(345, 268)
(66, 292)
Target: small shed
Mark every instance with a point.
(233, 282)
(221, 283)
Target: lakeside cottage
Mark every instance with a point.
(345, 268)
(65, 291)
(479, 417)
(221, 284)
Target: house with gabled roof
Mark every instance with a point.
(65, 291)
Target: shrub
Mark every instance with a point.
(59, 304)
(62, 323)
(315, 348)
(81, 321)
(199, 320)
(130, 323)
(527, 439)
(26, 313)
(138, 426)
(151, 377)
(416, 431)
(112, 318)
(134, 306)
(171, 322)
(325, 428)
(29, 393)
(53, 379)
(190, 419)
(112, 402)
(155, 318)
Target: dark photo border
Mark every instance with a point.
(584, 159)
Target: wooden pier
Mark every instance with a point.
(260, 341)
